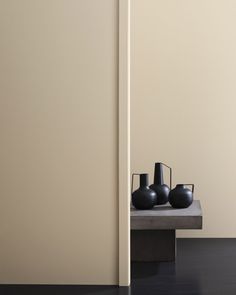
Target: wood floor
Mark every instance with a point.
(203, 266)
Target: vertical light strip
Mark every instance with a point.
(124, 142)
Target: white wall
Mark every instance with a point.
(183, 106)
(58, 130)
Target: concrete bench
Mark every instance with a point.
(153, 232)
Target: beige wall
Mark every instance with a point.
(58, 130)
(183, 100)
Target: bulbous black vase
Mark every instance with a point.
(143, 198)
(181, 196)
(162, 190)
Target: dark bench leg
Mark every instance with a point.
(153, 245)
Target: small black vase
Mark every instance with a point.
(181, 196)
(162, 190)
(143, 198)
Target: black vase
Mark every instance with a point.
(181, 196)
(143, 198)
(162, 190)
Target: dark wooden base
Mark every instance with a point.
(153, 245)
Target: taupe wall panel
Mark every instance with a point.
(183, 106)
(58, 131)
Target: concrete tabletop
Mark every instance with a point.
(166, 217)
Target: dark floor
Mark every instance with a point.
(203, 266)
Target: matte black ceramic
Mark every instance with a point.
(181, 196)
(162, 190)
(143, 198)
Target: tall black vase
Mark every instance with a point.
(143, 198)
(162, 190)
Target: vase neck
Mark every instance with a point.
(158, 174)
(180, 185)
(143, 179)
